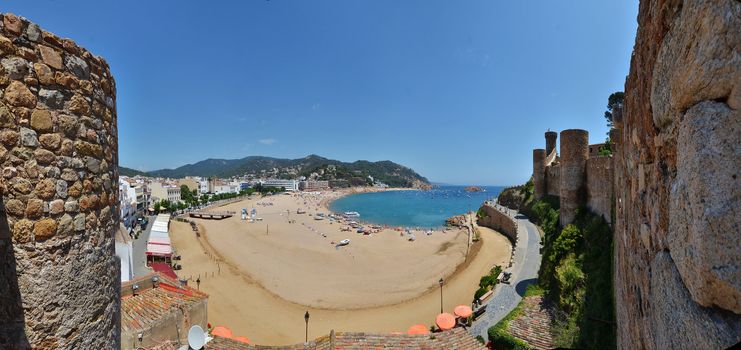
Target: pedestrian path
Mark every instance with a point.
(526, 262)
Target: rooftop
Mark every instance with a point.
(153, 303)
(455, 339)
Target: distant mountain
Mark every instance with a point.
(312, 166)
(130, 172)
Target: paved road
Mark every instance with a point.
(139, 250)
(524, 272)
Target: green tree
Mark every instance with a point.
(614, 103)
(570, 283)
(157, 207)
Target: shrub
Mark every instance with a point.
(479, 292)
(570, 284)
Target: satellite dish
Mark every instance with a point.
(196, 337)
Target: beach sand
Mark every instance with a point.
(273, 270)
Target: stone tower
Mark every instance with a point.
(539, 173)
(574, 153)
(59, 278)
(550, 141)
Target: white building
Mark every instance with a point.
(289, 185)
(127, 201)
(203, 186)
(226, 188)
(124, 251)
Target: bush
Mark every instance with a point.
(570, 284)
(479, 292)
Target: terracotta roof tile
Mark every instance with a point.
(151, 304)
(455, 339)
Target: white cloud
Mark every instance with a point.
(268, 141)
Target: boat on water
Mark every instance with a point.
(352, 214)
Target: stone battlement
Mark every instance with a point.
(579, 176)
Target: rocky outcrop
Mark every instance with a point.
(677, 242)
(59, 277)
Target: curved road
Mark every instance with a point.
(524, 270)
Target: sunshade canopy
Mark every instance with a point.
(463, 311)
(222, 332)
(418, 329)
(242, 339)
(445, 321)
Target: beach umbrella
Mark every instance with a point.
(463, 311)
(418, 329)
(222, 331)
(242, 339)
(445, 321)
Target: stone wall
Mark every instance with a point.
(599, 186)
(59, 162)
(677, 241)
(539, 187)
(553, 180)
(574, 154)
(496, 220)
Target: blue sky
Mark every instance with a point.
(460, 91)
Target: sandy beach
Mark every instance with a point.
(262, 276)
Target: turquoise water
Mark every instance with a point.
(414, 208)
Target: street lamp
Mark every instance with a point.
(441, 294)
(306, 319)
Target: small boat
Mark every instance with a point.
(318, 217)
(343, 242)
(352, 214)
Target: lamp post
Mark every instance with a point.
(441, 294)
(306, 319)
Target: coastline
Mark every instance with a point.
(224, 248)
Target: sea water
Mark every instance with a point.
(415, 208)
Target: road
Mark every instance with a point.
(524, 272)
(139, 250)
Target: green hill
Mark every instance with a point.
(312, 166)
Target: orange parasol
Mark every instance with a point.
(463, 311)
(242, 339)
(445, 321)
(418, 329)
(222, 331)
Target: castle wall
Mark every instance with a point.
(599, 186)
(574, 154)
(553, 180)
(677, 259)
(539, 187)
(59, 277)
(594, 149)
(496, 220)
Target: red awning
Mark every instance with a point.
(164, 269)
